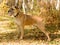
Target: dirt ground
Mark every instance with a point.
(29, 42)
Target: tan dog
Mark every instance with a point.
(23, 19)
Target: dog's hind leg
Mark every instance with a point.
(41, 26)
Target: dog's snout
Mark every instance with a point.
(8, 10)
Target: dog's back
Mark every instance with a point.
(29, 19)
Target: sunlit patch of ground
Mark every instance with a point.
(30, 42)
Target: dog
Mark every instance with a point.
(22, 19)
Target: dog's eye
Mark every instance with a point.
(12, 9)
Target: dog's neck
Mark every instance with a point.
(16, 14)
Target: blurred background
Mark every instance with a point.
(47, 9)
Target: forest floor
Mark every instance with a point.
(30, 42)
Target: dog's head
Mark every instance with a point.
(13, 11)
(14, 7)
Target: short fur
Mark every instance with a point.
(23, 19)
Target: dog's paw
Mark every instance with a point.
(21, 38)
(49, 39)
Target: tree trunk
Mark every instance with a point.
(57, 6)
(23, 5)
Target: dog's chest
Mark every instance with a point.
(17, 21)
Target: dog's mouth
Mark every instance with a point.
(10, 13)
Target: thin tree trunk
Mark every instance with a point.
(23, 5)
(57, 6)
(16, 2)
(32, 4)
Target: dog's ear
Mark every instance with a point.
(16, 7)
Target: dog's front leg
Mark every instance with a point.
(20, 28)
(22, 31)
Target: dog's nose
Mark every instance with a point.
(8, 10)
